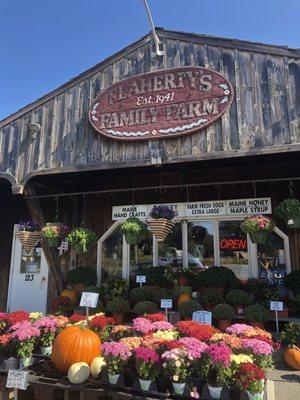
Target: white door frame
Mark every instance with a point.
(252, 248)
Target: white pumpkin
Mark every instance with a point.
(79, 372)
(96, 365)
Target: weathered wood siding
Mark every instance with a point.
(265, 114)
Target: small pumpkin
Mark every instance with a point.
(75, 344)
(96, 366)
(71, 294)
(292, 358)
(183, 298)
(78, 373)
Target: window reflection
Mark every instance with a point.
(112, 255)
(170, 250)
(141, 255)
(31, 261)
(201, 244)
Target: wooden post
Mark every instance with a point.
(35, 209)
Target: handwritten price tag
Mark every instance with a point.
(17, 379)
(166, 303)
(203, 317)
(140, 279)
(89, 299)
(276, 305)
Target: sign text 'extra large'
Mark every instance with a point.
(161, 104)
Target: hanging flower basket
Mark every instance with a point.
(258, 227)
(133, 229)
(289, 211)
(160, 222)
(28, 234)
(81, 239)
(54, 232)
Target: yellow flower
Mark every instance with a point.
(165, 335)
(35, 315)
(241, 358)
(178, 363)
(175, 378)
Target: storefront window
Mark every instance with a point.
(31, 261)
(201, 244)
(141, 256)
(234, 248)
(170, 250)
(111, 260)
(272, 260)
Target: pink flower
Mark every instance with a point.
(146, 355)
(258, 347)
(162, 326)
(238, 329)
(46, 324)
(219, 353)
(116, 349)
(194, 346)
(142, 325)
(24, 331)
(5, 339)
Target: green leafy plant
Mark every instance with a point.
(187, 308)
(289, 208)
(86, 276)
(81, 239)
(238, 297)
(145, 307)
(256, 313)
(291, 334)
(114, 287)
(164, 294)
(142, 293)
(292, 281)
(155, 276)
(219, 277)
(210, 296)
(224, 311)
(118, 305)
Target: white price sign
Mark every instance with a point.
(276, 305)
(17, 379)
(203, 317)
(166, 303)
(140, 279)
(89, 299)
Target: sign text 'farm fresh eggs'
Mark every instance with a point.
(161, 104)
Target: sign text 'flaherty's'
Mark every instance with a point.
(161, 104)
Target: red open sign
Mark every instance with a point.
(233, 244)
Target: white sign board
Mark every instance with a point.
(203, 317)
(237, 207)
(276, 305)
(89, 299)
(166, 303)
(140, 279)
(17, 379)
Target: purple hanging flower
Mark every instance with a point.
(162, 211)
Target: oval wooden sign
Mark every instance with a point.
(161, 104)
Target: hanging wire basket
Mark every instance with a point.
(28, 239)
(160, 227)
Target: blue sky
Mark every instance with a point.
(43, 43)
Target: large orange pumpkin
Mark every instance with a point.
(71, 294)
(75, 344)
(292, 358)
(183, 298)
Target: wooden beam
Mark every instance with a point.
(52, 258)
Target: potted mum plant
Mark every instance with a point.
(187, 308)
(146, 362)
(48, 327)
(289, 211)
(219, 372)
(118, 307)
(145, 307)
(258, 227)
(239, 299)
(82, 277)
(24, 334)
(176, 366)
(116, 355)
(81, 239)
(29, 234)
(53, 232)
(224, 313)
(132, 229)
(257, 315)
(251, 378)
(161, 221)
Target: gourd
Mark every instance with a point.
(292, 358)
(75, 344)
(96, 366)
(71, 294)
(78, 372)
